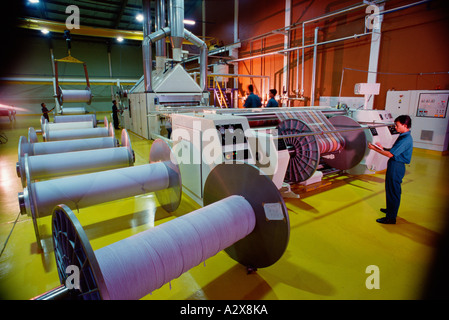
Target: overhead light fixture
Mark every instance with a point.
(187, 21)
(139, 17)
(44, 31)
(119, 39)
(33, 1)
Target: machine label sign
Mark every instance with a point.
(273, 211)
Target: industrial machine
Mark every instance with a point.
(290, 146)
(374, 162)
(173, 87)
(203, 141)
(168, 84)
(379, 122)
(428, 110)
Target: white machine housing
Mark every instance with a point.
(428, 110)
(173, 87)
(373, 161)
(202, 141)
(350, 102)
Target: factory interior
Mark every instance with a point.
(155, 178)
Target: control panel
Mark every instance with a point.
(233, 141)
(433, 105)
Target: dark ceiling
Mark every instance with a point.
(107, 14)
(111, 14)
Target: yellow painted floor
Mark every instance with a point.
(333, 239)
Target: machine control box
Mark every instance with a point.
(433, 105)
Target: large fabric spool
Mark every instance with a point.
(317, 122)
(163, 253)
(59, 135)
(71, 96)
(52, 126)
(85, 190)
(69, 125)
(341, 146)
(75, 118)
(73, 110)
(135, 266)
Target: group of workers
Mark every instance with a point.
(253, 100)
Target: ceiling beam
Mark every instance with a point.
(60, 27)
(120, 14)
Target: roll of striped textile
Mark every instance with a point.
(317, 122)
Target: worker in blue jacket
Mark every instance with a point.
(399, 155)
(252, 101)
(272, 101)
(45, 111)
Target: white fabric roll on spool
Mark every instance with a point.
(94, 188)
(46, 126)
(78, 133)
(68, 163)
(73, 110)
(75, 96)
(69, 125)
(76, 118)
(51, 147)
(140, 264)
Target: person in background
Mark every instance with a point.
(45, 111)
(252, 101)
(115, 115)
(168, 126)
(272, 101)
(399, 155)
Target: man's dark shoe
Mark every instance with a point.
(386, 220)
(383, 210)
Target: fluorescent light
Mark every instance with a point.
(119, 39)
(187, 21)
(33, 1)
(139, 17)
(45, 31)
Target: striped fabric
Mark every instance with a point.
(317, 122)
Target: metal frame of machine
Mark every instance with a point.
(169, 84)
